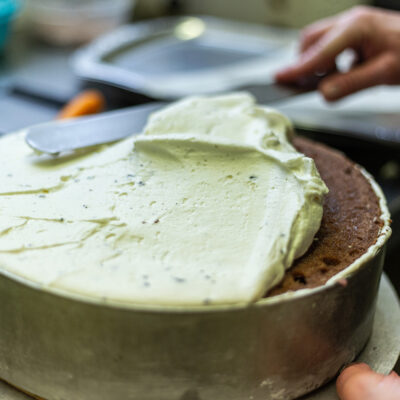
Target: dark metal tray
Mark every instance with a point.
(172, 57)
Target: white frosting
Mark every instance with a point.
(210, 205)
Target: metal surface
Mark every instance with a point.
(381, 352)
(62, 348)
(168, 58)
(32, 74)
(60, 136)
(88, 131)
(382, 128)
(383, 348)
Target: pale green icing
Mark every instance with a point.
(210, 205)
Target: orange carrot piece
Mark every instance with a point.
(87, 102)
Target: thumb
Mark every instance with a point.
(376, 71)
(359, 382)
(355, 382)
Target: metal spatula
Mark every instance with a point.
(60, 136)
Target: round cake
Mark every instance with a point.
(213, 240)
(210, 204)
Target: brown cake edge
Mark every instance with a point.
(351, 222)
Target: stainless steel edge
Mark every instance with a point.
(63, 349)
(78, 133)
(90, 62)
(375, 127)
(60, 136)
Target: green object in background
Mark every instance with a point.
(8, 9)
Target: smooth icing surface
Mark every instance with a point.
(210, 205)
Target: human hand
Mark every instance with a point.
(359, 382)
(373, 34)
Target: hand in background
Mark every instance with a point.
(359, 382)
(372, 33)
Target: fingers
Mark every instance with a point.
(314, 32)
(357, 15)
(354, 382)
(350, 372)
(350, 30)
(359, 382)
(380, 70)
(321, 55)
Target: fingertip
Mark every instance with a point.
(394, 374)
(351, 370)
(344, 383)
(358, 367)
(284, 75)
(278, 76)
(330, 91)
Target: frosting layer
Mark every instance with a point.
(211, 204)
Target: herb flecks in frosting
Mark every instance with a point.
(210, 205)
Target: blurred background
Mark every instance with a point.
(69, 22)
(145, 50)
(39, 38)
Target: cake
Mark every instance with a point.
(193, 211)
(211, 204)
(74, 326)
